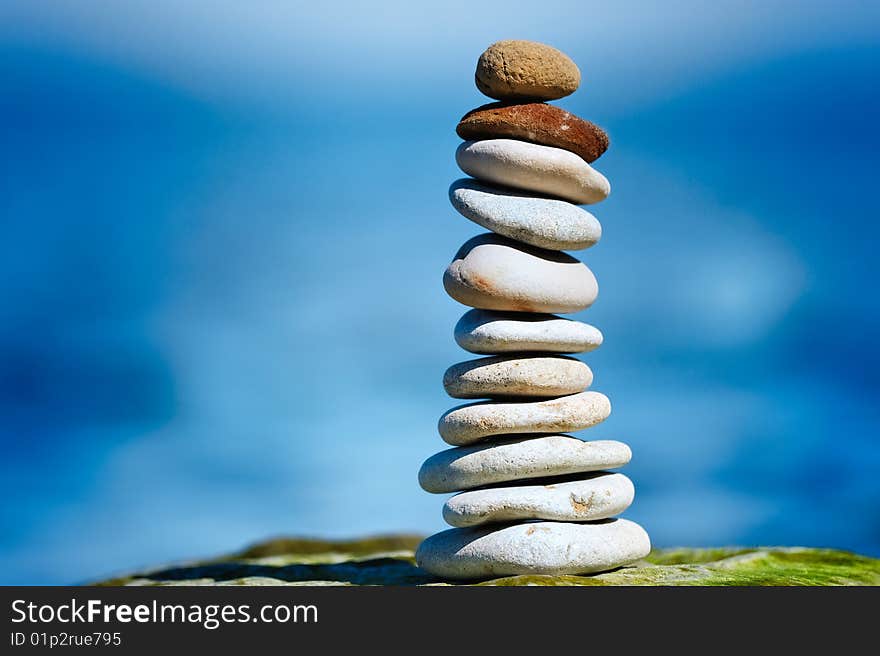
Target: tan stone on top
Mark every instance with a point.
(520, 70)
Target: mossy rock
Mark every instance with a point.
(388, 560)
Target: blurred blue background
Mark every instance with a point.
(225, 224)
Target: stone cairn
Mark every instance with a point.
(534, 500)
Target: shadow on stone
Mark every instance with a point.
(374, 571)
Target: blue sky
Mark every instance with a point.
(226, 225)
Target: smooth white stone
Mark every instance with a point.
(470, 423)
(555, 548)
(542, 222)
(496, 273)
(532, 167)
(488, 331)
(513, 376)
(515, 459)
(596, 497)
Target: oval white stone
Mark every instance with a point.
(487, 331)
(516, 459)
(467, 424)
(511, 376)
(556, 548)
(595, 497)
(532, 167)
(496, 273)
(542, 222)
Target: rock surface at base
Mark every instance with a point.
(389, 560)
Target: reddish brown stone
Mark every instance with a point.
(538, 123)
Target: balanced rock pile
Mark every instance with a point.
(532, 500)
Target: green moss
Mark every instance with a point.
(308, 546)
(684, 555)
(751, 567)
(388, 560)
(800, 567)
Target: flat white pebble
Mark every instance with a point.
(496, 273)
(532, 167)
(470, 423)
(542, 222)
(588, 499)
(519, 458)
(513, 376)
(555, 548)
(488, 331)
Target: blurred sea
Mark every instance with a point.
(224, 231)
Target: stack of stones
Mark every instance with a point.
(531, 500)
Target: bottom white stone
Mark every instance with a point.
(533, 548)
